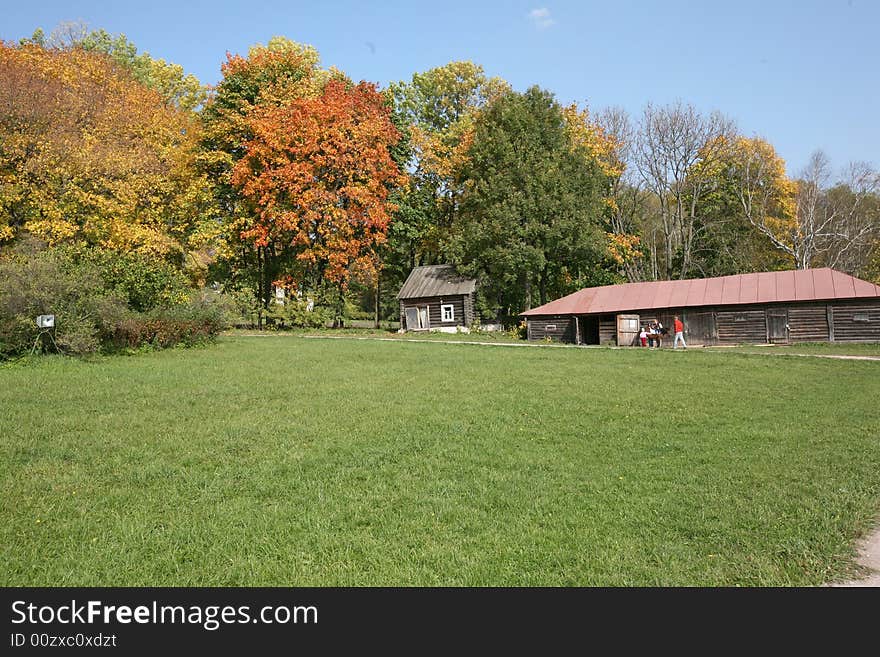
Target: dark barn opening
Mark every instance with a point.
(589, 329)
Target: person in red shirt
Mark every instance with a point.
(678, 327)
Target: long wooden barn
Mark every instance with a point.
(813, 305)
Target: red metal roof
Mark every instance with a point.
(766, 287)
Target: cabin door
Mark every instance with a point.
(417, 318)
(777, 326)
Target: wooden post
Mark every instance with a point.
(577, 331)
(829, 316)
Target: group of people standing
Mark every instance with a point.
(651, 334)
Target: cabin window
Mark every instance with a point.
(861, 317)
(740, 317)
(550, 327)
(447, 311)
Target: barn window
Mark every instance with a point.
(447, 311)
(550, 327)
(861, 317)
(740, 317)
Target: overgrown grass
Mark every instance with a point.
(286, 461)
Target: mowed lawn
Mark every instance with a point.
(293, 461)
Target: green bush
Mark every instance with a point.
(98, 306)
(44, 283)
(201, 318)
(143, 282)
(296, 313)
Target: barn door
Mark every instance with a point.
(777, 326)
(700, 328)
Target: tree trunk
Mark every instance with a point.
(378, 292)
(338, 321)
(542, 286)
(259, 289)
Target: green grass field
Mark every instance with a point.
(809, 348)
(291, 461)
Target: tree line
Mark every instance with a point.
(290, 176)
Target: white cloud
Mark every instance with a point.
(541, 18)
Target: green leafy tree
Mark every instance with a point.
(745, 188)
(530, 220)
(177, 87)
(436, 111)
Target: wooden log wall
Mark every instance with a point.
(434, 313)
(469, 315)
(741, 326)
(856, 322)
(559, 328)
(808, 323)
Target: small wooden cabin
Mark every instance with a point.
(813, 305)
(436, 298)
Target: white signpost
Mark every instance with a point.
(46, 324)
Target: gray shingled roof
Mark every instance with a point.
(435, 281)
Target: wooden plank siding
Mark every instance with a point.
(743, 325)
(558, 328)
(808, 323)
(462, 308)
(608, 329)
(857, 321)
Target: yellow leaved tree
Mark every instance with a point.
(89, 154)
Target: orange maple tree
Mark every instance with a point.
(319, 171)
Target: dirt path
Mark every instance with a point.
(869, 557)
(540, 344)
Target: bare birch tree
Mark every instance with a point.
(626, 192)
(831, 226)
(671, 141)
(853, 208)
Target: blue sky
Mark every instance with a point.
(802, 74)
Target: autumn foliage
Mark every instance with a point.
(318, 170)
(89, 154)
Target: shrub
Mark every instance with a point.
(41, 283)
(98, 305)
(198, 320)
(143, 282)
(519, 331)
(296, 312)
